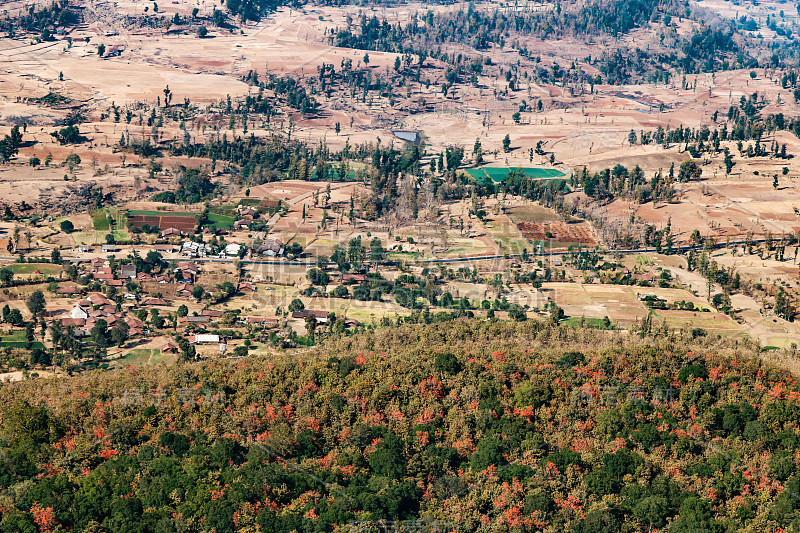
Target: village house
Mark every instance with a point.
(195, 249)
(184, 289)
(172, 232)
(233, 249)
(128, 271)
(262, 321)
(74, 322)
(321, 316)
(204, 339)
(194, 320)
(158, 302)
(272, 248)
(166, 248)
(98, 299)
(79, 312)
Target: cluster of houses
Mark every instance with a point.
(84, 315)
(178, 282)
(193, 249)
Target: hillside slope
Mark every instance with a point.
(467, 425)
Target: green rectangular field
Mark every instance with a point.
(162, 213)
(497, 174)
(575, 321)
(30, 268)
(17, 340)
(476, 173)
(100, 221)
(220, 221)
(539, 173)
(140, 356)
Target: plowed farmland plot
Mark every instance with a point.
(181, 221)
(558, 233)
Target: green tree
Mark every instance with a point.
(67, 226)
(197, 292)
(6, 276)
(387, 459)
(506, 143)
(100, 333)
(120, 332)
(689, 170)
(317, 277)
(311, 324)
(376, 251)
(488, 452)
(695, 516)
(188, 351)
(36, 303)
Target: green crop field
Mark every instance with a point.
(140, 356)
(100, 221)
(17, 340)
(539, 173)
(220, 221)
(576, 321)
(498, 174)
(30, 268)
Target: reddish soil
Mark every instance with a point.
(577, 233)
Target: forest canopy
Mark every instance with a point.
(469, 423)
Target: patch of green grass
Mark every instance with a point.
(498, 174)
(539, 173)
(139, 356)
(17, 340)
(30, 268)
(157, 356)
(575, 321)
(220, 221)
(476, 173)
(100, 221)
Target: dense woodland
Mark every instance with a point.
(708, 49)
(535, 427)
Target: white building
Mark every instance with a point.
(233, 249)
(78, 312)
(194, 249)
(206, 339)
